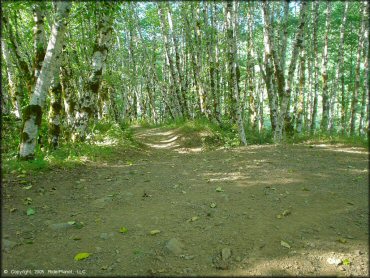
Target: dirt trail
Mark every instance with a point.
(255, 210)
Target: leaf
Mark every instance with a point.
(213, 205)
(342, 240)
(284, 244)
(30, 211)
(79, 225)
(346, 262)
(286, 212)
(81, 256)
(27, 187)
(71, 222)
(194, 218)
(154, 232)
(123, 230)
(27, 201)
(219, 189)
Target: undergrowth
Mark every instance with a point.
(106, 141)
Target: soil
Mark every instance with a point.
(254, 210)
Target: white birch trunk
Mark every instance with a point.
(14, 88)
(33, 112)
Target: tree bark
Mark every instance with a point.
(39, 43)
(316, 66)
(33, 113)
(325, 94)
(360, 49)
(286, 96)
(15, 91)
(87, 100)
(339, 71)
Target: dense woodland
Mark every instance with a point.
(279, 68)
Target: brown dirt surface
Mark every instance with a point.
(254, 210)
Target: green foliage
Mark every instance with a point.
(108, 140)
(335, 138)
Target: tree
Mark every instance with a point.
(32, 115)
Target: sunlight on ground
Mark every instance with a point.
(189, 150)
(170, 140)
(163, 146)
(337, 148)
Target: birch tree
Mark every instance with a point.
(33, 112)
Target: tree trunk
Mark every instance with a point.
(325, 93)
(33, 113)
(316, 66)
(87, 101)
(365, 94)
(55, 112)
(339, 71)
(360, 49)
(39, 43)
(234, 76)
(15, 91)
(286, 96)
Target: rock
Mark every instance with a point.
(225, 253)
(106, 236)
(174, 246)
(334, 261)
(60, 226)
(8, 244)
(101, 202)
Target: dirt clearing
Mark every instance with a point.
(255, 210)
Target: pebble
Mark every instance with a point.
(358, 252)
(334, 261)
(60, 226)
(225, 253)
(106, 236)
(174, 246)
(8, 244)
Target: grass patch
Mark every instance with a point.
(107, 142)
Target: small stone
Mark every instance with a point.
(174, 246)
(334, 261)
(60, 226)
(358, 252)
(106, 236)
(342, 268)
(160, 258)
(226, 253)
(8, 244)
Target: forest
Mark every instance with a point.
(176, 126)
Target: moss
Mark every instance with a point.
(33, 110)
